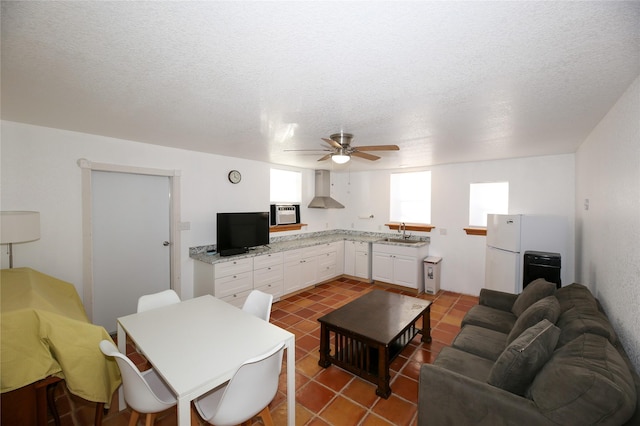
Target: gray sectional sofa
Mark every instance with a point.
(543, 357)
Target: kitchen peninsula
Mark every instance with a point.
(290, 263)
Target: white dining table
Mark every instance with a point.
(198, 344)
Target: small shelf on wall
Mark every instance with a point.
(422, 227)
(291, 227)
(475, 231)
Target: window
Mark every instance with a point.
(410, 197)
(285, 186)
(485, 198)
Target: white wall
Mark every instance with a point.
(39, 172)
(537, 185)
(608, 233)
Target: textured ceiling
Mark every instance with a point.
(446, 81)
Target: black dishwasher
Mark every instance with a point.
(539, 264)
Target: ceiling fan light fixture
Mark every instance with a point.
(340, 158)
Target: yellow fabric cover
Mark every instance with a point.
(45, 332)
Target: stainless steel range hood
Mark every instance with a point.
(322, 199)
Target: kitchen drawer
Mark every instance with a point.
(237, 299)
(267, 275)
(326, 272)
(292, 256)
(325, 248)
(274, 288)
(309, 252)
(223, 269)
(236, 283)
(267, 260)
(325, 259)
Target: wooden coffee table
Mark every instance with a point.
(369, 332)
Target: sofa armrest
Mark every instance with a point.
(497, 299)
(449, 398)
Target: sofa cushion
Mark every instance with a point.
(585, 382)
(519, 363)
(575, 295)
(491, 318)
(536, 290)
(464, 363)
(480, 341)
(580, 320)
(547, 308)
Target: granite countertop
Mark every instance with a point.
(279, 244)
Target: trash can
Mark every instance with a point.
(539, 264)
(432, 274)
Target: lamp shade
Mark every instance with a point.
(340, 158)
(19, 227)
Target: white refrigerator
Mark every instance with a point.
(510, 236)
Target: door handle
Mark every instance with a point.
(165, 243)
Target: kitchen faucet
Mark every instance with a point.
(403, 227)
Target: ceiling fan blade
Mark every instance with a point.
(332, 143)
(365, 155)
(377, 148)
(326, 157)
(311, 150)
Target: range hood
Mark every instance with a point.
(322, 199)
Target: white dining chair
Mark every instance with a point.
(156, 300)
(248, 393)
(145, 392)
(258, 303)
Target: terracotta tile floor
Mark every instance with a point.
(328, 396)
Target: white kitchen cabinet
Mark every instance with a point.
(326, 266)
(300, 269)
(357, 259)
(309, 273)
(330, 260)
(268, 274)
(292, 273)
(230, 281)
(399, 264)
(350, 258)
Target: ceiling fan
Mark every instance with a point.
(342, 149)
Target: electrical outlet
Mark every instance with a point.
(184, 226)
(443, 231)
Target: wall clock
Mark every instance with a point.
(234, 176)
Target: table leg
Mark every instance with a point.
(291, 381)
(324, 361)
(184, 411)
(122, 347)
(426, 325)
(383, 389)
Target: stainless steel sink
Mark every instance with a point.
(400, 241)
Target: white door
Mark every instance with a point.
(502, 270)
(131, 232)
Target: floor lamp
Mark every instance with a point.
(18, 227)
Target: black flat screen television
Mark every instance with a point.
(237, 232)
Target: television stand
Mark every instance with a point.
(233, 252)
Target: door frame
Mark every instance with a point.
(87, 223)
